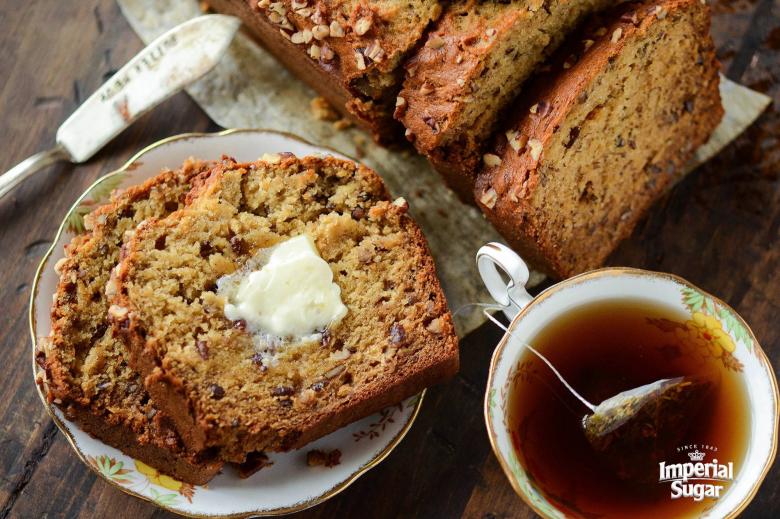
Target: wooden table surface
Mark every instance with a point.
(719, 229)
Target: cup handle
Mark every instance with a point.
(511, 296)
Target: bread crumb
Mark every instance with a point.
(255, 461)
(322, 110)
(318, 458)
(342, 124)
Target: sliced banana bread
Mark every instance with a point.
(228, 386)
(350, 51)
(87, 375)
(601, 136)
(471, 67)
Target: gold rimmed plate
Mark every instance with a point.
(289, 484)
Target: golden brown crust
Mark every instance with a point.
(396, 339)
(181, 465)
(350, 51)
(509, 190)
(85, 368)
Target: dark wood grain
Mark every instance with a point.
(719, 228)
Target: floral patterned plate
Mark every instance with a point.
(288, 484)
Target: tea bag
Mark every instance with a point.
(636, 428)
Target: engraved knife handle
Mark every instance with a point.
(11, 178)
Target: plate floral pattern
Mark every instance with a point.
(287, 483)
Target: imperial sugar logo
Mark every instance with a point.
(697, 478)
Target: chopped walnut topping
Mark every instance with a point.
(516, 141)
(326, 53)
(435, 326)
(278, 7)
(488, 198)
(336, 30)
(320, 32)
(271, 158)
(397, 333)
(59, 265)
(315, 51)
(661, 12)
(400, 102)
(459, 59)
(299, 4)
(333, 373)
(534, 108)
(308, 397)
(374, 52)
(275, 17)
(617, 34)
(112, 287)
(535, 145)
(360, 61)
(362, 26)
(340, 355)
(303, 36)
(117, 312)
(491, 160)
(401, 202)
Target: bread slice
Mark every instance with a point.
(87, 375)
(603, 135)
(207, 372)
(350, 51)
(474, 61)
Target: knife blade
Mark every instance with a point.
(168, 64)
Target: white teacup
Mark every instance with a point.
(529, 315)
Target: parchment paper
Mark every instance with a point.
(250, 89)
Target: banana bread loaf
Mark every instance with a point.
(239, 389)
(350, 51)
(601, 136)
(87, 375)
(474, 60)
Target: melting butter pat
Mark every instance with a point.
(291, 295)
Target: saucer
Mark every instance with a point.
(289, 484)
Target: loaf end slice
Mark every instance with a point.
(86, 371)
(216, 379)
(603, 135)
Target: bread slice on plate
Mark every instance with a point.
(240, 389)
(350, 51)
(599, 138)
(472, 65)
(85, 366)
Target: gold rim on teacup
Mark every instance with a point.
(517, 304)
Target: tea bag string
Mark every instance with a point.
(542, 357)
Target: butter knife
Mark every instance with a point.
(170, 63)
